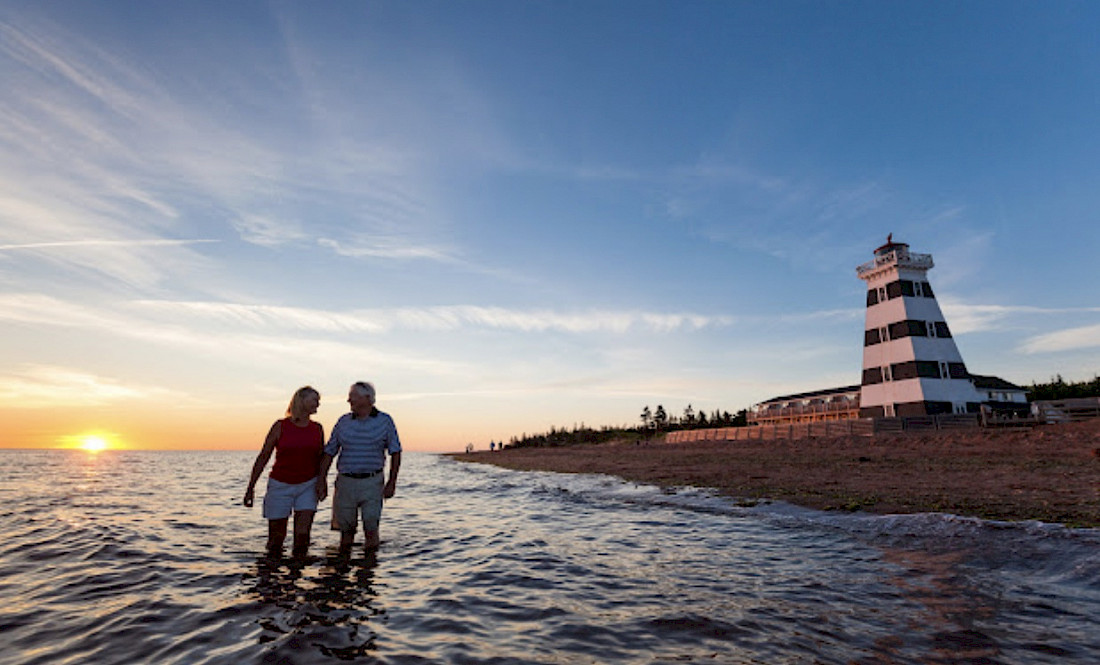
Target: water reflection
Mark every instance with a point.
(953, 607)
(326, 605)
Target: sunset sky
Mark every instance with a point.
(517, 215)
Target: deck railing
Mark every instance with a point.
(805, 410)
(827, 428)
(902, 259)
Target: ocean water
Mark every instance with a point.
(148, 557)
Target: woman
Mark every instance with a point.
(297, 442)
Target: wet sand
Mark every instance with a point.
(1049, 473)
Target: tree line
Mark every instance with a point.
(660, 419)
(1057, 388)
(652, 422)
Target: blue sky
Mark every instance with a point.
(518, 215)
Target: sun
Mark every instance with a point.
(93, 443)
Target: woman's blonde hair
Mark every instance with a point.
(297, 407)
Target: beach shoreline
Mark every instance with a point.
(1049, 473)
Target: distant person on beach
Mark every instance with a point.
(359, 443)
(297, 443)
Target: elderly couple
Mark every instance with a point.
(298, 480)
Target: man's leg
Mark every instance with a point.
(344, 513)
(370, 512)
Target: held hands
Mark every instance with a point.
(322, 489)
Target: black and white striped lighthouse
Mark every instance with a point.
(911, 366)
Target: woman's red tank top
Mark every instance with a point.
(297, 453)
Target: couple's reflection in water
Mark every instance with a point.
(321, 605)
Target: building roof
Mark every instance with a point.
(815, 393)
(994, 383)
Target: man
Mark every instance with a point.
(359, 442)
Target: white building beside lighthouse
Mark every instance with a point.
(911, 366)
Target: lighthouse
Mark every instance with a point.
(911, 366)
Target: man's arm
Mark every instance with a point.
(391, 484)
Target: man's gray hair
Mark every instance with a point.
(364, 388)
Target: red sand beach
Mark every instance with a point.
(1049, 473)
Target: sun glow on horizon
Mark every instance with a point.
(93, 443)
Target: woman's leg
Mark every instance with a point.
(303, 522)
(276, 534)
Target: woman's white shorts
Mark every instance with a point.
(282, 497)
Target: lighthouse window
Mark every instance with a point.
(908, 328)
(907, 288)
(927, 288)
(870, 337)
(893, 290)
(957, 371)
(902, 371)
(872, 297)
(872, 375)
(917, 289)
(928, 369)
(913, 369)
(942, 329)
(931, 329)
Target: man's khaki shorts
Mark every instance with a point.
(357, 499)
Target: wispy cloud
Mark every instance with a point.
(83, 185)
(966, 317)
(964, 257)
(805, 220)
(44, 386)
(94, 143)
(387, 248)
(1070, 339)
(443, 318)
(846, 314)
(240, 345)
(266, 231)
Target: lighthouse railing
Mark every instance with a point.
(901, 258)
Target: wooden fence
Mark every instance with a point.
(1066, 410)
(820, 429)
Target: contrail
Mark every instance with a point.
(104, 243)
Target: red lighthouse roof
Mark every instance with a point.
(890, 246)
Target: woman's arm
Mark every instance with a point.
(262, 459)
